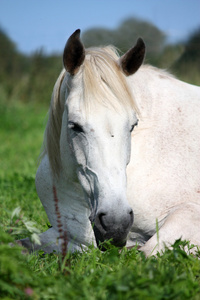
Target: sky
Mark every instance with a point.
(47, 24)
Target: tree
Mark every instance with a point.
(125, 36)
(13, 64)
(192, 51)
(187, 67)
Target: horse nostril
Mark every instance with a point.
(131, 215)
(102, 221)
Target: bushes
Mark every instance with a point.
(31, 78)
(27, 78)
(187, 67)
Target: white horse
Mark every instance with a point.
(113, 179)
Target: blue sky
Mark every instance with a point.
(36, 24)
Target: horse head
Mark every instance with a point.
(98, 120)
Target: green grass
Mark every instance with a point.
(21, 134)
(89, 275)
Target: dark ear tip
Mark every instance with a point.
(74, 53)
(140, 40)
(141, 43)
(77, 33)
(132, 60)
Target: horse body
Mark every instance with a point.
(164, 173)
(100, 183)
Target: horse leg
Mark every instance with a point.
(183, 222)
(49, 242)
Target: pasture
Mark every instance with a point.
(89, 275)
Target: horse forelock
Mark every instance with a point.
(102, 78)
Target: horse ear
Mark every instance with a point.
(74, 53)
(131, 61)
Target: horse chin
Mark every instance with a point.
(103, 243)
(104, 246)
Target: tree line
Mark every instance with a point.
(31, 77)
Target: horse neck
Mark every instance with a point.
(158, 94)
(151, 88)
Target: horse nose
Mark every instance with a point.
(114, 225)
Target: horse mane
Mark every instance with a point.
(161, 73)
(102, 77)
(51, 145)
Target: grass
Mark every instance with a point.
(89, 275)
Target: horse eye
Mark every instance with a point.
(76, 127)
(133, 126)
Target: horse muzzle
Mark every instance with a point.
(113, 227)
